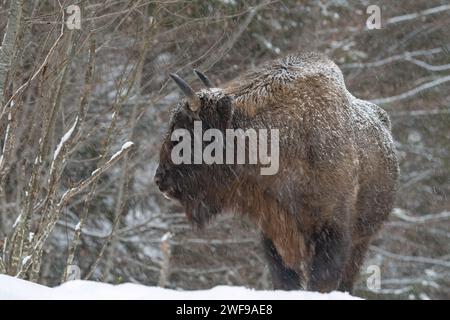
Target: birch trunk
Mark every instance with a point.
(8, 45)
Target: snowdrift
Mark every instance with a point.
(13, 288)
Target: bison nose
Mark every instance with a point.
(157, 178)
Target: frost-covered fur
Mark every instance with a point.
(337, 176)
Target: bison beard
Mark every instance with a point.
(337, 168)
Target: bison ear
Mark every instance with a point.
(225, 108)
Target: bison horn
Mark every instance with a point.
(193, 99)
(204, 79)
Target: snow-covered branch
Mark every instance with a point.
(70, 193)
(411, 93)
(38, 244)
(416, 15)
(399, 213)
(417, 259)
(428, 66)
(398, 57)
(420, 113)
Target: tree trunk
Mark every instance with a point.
(8, 45)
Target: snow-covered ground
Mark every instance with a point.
(13, 288)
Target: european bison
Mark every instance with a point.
(337, 168)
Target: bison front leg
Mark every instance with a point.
(283, 277)
(331, 251)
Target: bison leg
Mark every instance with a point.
(331, 250)
(283, 278)
(351, 270)
(375, 202)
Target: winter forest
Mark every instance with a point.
(85, 104)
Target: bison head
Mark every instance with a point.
(200, 188)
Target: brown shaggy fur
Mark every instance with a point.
(336, 181)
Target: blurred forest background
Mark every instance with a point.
(73, 192)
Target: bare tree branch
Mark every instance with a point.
(412, 92)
